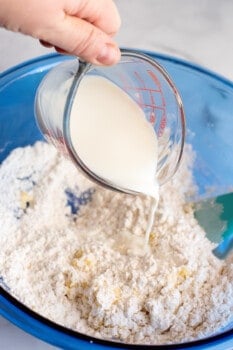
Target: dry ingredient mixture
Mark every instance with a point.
(69, 250)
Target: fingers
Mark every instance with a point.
(81, 38)
(102, 13)
(45, 43)
(79, 27)
(48, 45)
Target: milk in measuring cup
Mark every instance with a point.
(112, 137)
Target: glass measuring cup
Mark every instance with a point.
(139, 76)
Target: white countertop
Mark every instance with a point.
(12, 338)
(200, 31)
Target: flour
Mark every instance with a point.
(66, 253)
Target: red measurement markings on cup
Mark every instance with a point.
(150, 99)
(56, 138)
(162, 107)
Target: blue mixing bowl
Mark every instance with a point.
(208, 103)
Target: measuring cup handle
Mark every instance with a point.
(82, 67)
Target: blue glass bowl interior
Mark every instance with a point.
(208, 104)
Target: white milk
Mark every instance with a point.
(113, 139)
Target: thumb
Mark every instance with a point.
(78, 37)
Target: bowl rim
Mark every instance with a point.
(58, 335)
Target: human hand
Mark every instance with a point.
(78, 27)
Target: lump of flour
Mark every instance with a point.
(63, 254)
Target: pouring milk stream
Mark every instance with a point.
(114, 140)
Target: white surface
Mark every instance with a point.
(12, 338)
(200, 31)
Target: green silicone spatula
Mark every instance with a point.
(215, 215)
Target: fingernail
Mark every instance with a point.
(109, 55)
